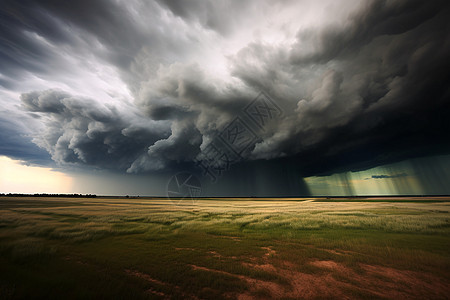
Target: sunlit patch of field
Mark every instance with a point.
(224, 248)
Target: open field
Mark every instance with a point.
(107, 248)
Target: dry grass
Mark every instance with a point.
(223, 249)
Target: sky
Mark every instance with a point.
(252, 98)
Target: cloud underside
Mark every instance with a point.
(369, 89)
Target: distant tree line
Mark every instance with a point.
(50, 195)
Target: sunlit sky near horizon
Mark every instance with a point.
(406, 178)
(254, 98)
(18, 178)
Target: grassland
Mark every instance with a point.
(111, 248)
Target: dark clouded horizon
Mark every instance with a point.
(144, 87)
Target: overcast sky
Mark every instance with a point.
(136, 91)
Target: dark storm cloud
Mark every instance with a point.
(106, 21)
(81, 131)
(109, 31)
(22, 51)
(16, 143)
(196, 108)
(369, 90)
(384, 92)
(378, 18)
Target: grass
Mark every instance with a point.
(149, 248)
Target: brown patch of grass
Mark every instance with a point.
(339, 281)
(422, 285)
(275, 290)
(327, 264)
(270, 252)
(160, 283)
(144, 276)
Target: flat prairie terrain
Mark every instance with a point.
(111, 248)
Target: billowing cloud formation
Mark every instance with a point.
(143, 86)
(81, 131)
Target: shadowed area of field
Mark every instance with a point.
(224, 248)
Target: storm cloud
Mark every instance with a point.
(82, 131)
(145, 86)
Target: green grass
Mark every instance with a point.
(216, 249)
